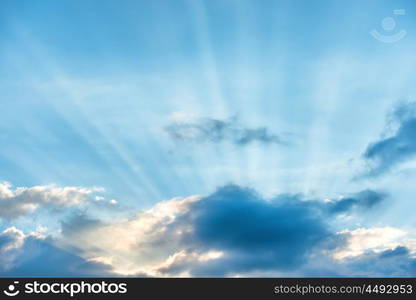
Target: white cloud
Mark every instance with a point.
(145, 244)
(183, 258)
(362, 240)
(26, 200)
(11, 242)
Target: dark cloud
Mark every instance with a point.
(215, 130)
(259, 234)
(397, 148)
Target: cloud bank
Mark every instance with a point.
(231, 232)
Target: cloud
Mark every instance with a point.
(216, 130)
(400, 146)
(362, 240)
(11, 241)
(33, 255)
(362, 200)
(232, 231)
(395, 262)
(78, 223)
(252, 232)
(366, 252)
(22, 201)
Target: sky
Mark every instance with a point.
(234, 138)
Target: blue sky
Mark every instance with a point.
(115, 113)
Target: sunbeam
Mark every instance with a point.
(207, 138)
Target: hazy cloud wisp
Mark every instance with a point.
(216, 130)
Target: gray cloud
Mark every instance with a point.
(397, 148)
(216, 130)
